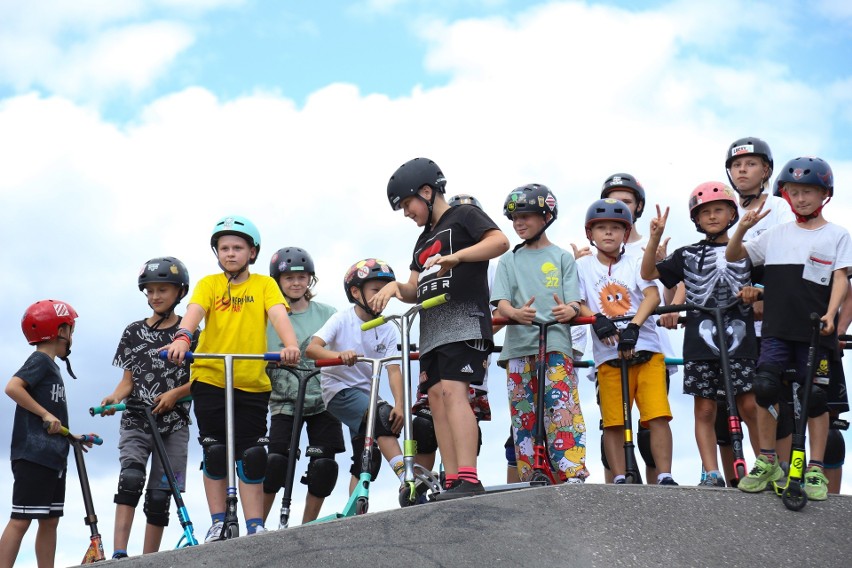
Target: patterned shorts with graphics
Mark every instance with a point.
(563, 418)
(704, 379)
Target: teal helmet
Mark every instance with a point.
(239, 226)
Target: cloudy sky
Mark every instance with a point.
(128, 127)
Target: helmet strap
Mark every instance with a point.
(67, 353)
(804, 218)
(537, 236)
(362, 305)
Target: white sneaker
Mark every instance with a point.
(215, 532)
(259, 529)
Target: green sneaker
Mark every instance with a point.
(816, 484)
(760, 476)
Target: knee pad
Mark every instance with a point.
(383, 423)
(786, 421)
(215, 454)
(131, 482)
(156, 507)
(767, 385)
(276, 471)
(357, 449)
(252, 467)
(423, 430)
(817, 401)
(321, 475)
(643, 441)
(511, 459)
(835, 450)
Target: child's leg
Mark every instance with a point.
(153, 538)
(442, 430)
(10, 542)
(45, 543)
(614, 444)
(705, 432)
(661, 443)
(818, 436)
(461, 421)
(251, 498)
(123, 522)
(747, 409)
(564, 423)
(521, 389)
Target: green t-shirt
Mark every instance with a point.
(285, 386)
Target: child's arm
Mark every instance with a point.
(492, 244)
(402, 291)
(280, 321)
(735, 250)
(648, 270)
(166, 401)
(395, 383)
(630, 335)
(564, 313)
(190, 322)
(17, 390)
(525, 314)
(121, 392)
(317, 350)
(839, 288)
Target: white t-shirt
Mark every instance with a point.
(342, 332)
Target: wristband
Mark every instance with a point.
(183, 333)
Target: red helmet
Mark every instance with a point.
(41, 321)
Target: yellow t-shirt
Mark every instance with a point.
(235, 323)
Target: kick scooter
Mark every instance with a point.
(792, 493)
(188, 537)
(95, 552)
(542, 473)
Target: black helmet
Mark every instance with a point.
(609, 210)
(165, 269)
(291, 259)
(464, 199)
(410, 177)
(749, 146)
(531, 198)
(628, 182)
(362, 272)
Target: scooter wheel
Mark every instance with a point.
(793, 497)
(361, 506)
(741, 472)
(231, 531)
(405, 496)
(632, 478)
(540, 478)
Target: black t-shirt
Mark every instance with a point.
(467, 315)
(30, 441)
(711, 281)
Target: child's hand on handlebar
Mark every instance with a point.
(291, 355)
(348, 357)
(827, 324)
(176, 350)
(109, 400)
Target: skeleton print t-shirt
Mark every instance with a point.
(712, 281)
(137, 353)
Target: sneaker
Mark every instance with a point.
(462, 489)
(667, 481)
(215, 532)
(816, 484)
(259, 529)
(621, 481)
(761, 475)
(118, 555)
(712, 480)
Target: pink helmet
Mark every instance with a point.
(708, 192)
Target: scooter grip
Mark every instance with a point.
(272, 356)
(367, 325)
(328, 362)
(583, 320)
(164, 355)
(436, 301)
(120, 407)
(96, 440)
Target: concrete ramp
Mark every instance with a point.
(565, 526)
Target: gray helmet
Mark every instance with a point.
(165, 269)
(290, 259)
(410, 177)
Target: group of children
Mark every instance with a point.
(802, 262)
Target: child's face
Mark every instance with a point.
(161, 295)
(805, 199)
(714, 217)
(748, 172)
(415, 208)
(527, 225)
(608, 236)
(370, 289)
(234, 252)
(627, 197)
(294, 284)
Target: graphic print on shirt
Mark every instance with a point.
(614, 298)
(428, 280)
(551, 275)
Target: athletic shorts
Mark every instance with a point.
(324, 430)
(38, 491)
(464, 361)
(250, 409)
(705, 379)
(647, 386)
(135, 446)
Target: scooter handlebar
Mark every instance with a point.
(121, 407)
(579, 320)
(190, 356)
(425, 305)
(85, 438)
(338, 361)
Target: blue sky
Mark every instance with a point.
(128, 127)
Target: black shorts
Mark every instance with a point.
(464, 361)
(324, 430)
(38, 491)
(250, 409)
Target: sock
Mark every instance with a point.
(618, 477)
(468, 474)
(252, 524)
(816, 463)
(218, 517)
(715, 473)
(449, 479)
(398, 466)
(662, 476)
(770, 455)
